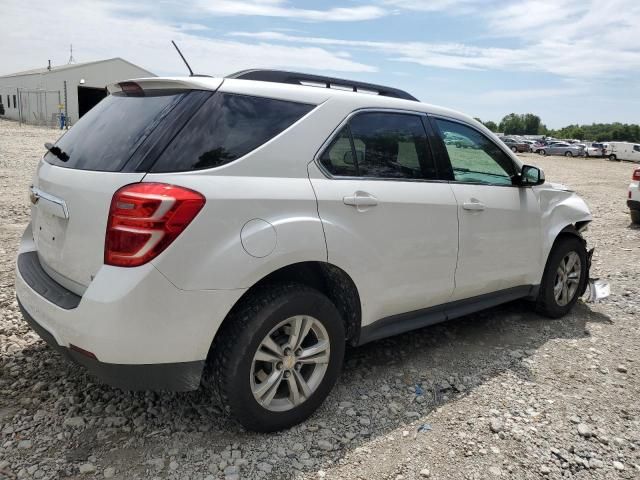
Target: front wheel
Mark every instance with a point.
(514, 149)
(564, 278)
(277, 357)
(613, 158)
(568, 154)
(542, 152)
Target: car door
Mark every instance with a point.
(500, 239)
(388, 221)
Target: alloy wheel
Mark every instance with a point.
(567, 278)
(290, 363)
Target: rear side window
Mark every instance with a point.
(227, 127)
(386, 145)
(106, 137)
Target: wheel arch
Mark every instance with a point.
(327, 278)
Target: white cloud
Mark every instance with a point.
(562, 37)
(283, 9)
(450, 6)
(99, 30)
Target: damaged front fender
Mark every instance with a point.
(561, 209)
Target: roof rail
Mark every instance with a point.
(294, 78)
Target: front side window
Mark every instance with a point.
(227, 127)
(636, 148)
(386, 145)
(474, 158)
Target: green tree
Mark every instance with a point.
(531, 123)
(491, 126)
(512, 124)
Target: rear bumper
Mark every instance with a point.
(145, 333)
(178, 377)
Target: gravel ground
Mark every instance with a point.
(503, 393)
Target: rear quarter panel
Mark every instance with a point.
(270, 183)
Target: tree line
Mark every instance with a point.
(530, 124)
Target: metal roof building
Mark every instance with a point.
(39, 96)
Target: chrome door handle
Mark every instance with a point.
(474, 206)
(360, 200)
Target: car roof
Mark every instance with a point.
(297, 93)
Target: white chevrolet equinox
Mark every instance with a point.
(239, 232)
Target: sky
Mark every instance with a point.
(568, 61)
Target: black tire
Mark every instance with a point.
(546, 303)
(568, 154)
(613, 158)
(240, 336)
(514, 149)
(542, 152)
(635, 216)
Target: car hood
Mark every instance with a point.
(557, 186)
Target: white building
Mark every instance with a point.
(38, 96)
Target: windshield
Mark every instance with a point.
(105, 137)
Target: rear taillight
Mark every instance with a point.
(636, 174)
(144, 219)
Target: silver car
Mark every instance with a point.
(561, 148)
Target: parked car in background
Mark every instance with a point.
(596, 149)
(623, 151)
(633, 200)
(234, 233)
(561, 148)
(515, 145)
(531, 144)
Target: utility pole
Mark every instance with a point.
(66, 112)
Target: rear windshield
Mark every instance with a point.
(106, 137)
(227, 127)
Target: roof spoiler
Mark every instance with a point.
(294, 78)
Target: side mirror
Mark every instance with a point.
(531, 176)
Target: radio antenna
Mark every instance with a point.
(183, 59)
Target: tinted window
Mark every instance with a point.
(338, 158)
(474, 158)
(106, 136)
(387, 145)
(227, 127)
(636, 148)
(14, 102)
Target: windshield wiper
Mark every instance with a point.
(62, 156)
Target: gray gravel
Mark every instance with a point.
(500, 394)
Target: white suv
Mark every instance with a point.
(240, 232)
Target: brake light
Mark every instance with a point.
(636, 174)
(144, 219)
(131, 89)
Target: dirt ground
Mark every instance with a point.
(500, 394)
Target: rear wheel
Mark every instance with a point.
(613, 158)
(568, 154)
(277, 357)
(564, 277)
(514, 149)
(635, 216)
